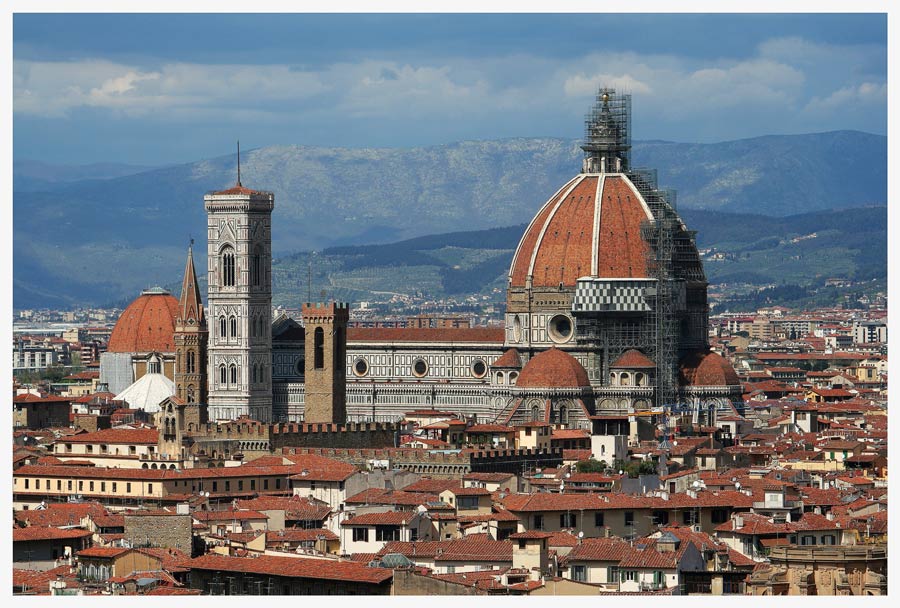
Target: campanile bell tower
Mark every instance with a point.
(239, 258)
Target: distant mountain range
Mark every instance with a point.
(101, 233)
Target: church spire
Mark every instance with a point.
(190, 307)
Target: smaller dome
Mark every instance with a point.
(553, 369)
(509, 359)
(633, 359)
(707, 369)
(148, 392)
(147, 325)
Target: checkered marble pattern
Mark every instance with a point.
(626, 295)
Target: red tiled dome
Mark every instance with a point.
(553, 369)
(147, 325)
(633, 359)
(707, 369)
(573, 236)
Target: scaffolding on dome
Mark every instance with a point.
(607, 133)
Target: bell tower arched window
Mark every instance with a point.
(190, 362)
(319, 348)
(223, 327)
(227, 267)
(233, 373)
(233, 326)
(223, 375)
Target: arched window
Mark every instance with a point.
(535, 413)
(223, 327)
(223, 375)
(233, 326)
(227, 267)
(255, 267)
(234, 373)
(190, 393)
(563, 415)
(624, 379)
(255, 372)
(639, 380)
(191, 365)
(319, 348)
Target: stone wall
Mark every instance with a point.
(407, 582)
(159, 530)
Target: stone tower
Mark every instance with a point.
(191, 337)
(239, 258)
(326, 362)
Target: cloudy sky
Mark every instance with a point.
(160, 89)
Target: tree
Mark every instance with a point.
(591, 466)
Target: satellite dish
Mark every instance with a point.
(696, 483)
(581, 534)
(206, 494)
(568, 475)
(621, 471)
(737, 485)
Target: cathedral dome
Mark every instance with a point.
(553, 368)
(147, 325)
(590, 227)
(707, 369)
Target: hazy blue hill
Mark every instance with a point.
(108, 236)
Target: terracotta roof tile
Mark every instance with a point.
(146, 325)
(510, 359)
(347, 571)
(633, 359)
(553, 368)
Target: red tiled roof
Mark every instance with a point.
(414, 334)
(147, 325)
(707, 369)
(377, 496)
(432, 486)
(633, 359)
(47, 533)
(102, 551)
(553, 368)
(295, 507)
(530, 534)
(60, 514)
(147, 436)
(509, 359)
(227, 515)
(558, 246)
(238, 189)
(347, 571)
(490, 477)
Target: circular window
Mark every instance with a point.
(560, 328)
(479, 369)
(361, 367)
(420, 368)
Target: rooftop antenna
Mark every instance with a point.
(239, 162)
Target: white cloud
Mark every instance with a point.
(580, 85)
(849, 99)
(788, 81)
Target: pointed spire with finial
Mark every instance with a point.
(190, 307)
(239, 163)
